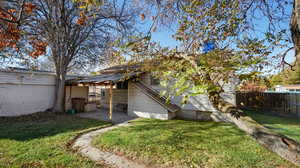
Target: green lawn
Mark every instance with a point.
(287, 126)
(178, 143)
(41, 141)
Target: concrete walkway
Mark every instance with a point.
(103, 115)
(83, 145)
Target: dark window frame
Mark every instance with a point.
(154, 81)
(122, 85)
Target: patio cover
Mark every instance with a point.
(104, 79)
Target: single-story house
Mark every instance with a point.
(126, 88)
(287, 88)
(135, 93)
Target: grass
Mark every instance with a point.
(40, 140)
(178, 143)
(286, 126)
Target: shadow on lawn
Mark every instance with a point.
(202, 132)
(43, 125)
(284, 125)
(269, 118)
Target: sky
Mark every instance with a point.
(163, 35)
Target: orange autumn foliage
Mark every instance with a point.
(142, 16)
(39, 48)
(12, 11)
(29, 7)
(10, 32)
(82, 19)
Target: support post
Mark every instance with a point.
(110, 102)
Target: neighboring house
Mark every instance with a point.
(252, 87)
(287, 88)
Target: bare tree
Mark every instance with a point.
(73, 36)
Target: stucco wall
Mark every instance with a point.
(141, 105)
(24, 93)
(75, 92)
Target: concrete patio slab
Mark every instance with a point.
(103, 115)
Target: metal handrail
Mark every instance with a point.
(155, 95)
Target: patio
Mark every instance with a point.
(102, 114)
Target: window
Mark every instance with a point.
(154, 81)
(122, 85)
(102, 93)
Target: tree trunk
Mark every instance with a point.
(281, 145)
(295, 29)
(59, 93)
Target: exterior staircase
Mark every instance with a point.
(154, 94)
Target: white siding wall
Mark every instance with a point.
(141, 105)
(198, 103)
(24, 93)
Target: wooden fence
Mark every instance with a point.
(286, 104)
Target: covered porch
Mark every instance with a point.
(113, 86)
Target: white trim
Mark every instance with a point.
(11, 83)
(28, 72)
